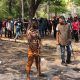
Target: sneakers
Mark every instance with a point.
(65, 63)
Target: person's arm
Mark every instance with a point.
(57, 35)
(40, 44)
(40, 41)
(57, 38)
(69, 33)
(28, 34)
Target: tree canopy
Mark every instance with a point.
(13, 7)
(77, 2)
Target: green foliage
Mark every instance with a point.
(41, 12)
(77, 2)
(3, 9)
(56, 6)
(15, 8)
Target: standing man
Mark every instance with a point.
(41, 27)
(64, 39)
(55, 22)
(18, 25)
(8, 26)
(34, 42)
(12, 26)
(75, 28)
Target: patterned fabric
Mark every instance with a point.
(33, 40)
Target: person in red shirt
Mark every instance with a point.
(4, 26)
(75, 28)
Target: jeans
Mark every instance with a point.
(41, 33)
(63, 53)
(9, 33)
(18, 31)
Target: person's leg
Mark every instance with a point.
(29, 63)
(43, 31)
(62, 53)
(54, 33)
(20, 33)
(13, 30)
(17, 33)
(68, 54)
(72, 33)
(76, 36)
(5, 32)
(10, 34)
(1, 32)
(75, 33)
(40, 33)
(37, 62)
(50, 31)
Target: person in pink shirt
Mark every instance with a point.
(75, 28)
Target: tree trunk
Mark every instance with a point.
(22, 12)
(10, 6)
(55, 11)
(33, 7)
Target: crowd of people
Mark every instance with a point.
(14, 28)
(11, 28)
(63, 30)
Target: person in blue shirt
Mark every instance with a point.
(18, 28)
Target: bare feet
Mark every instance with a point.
(42, 75)
(38, 74)
(28, 78)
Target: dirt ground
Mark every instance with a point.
(13, 59)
